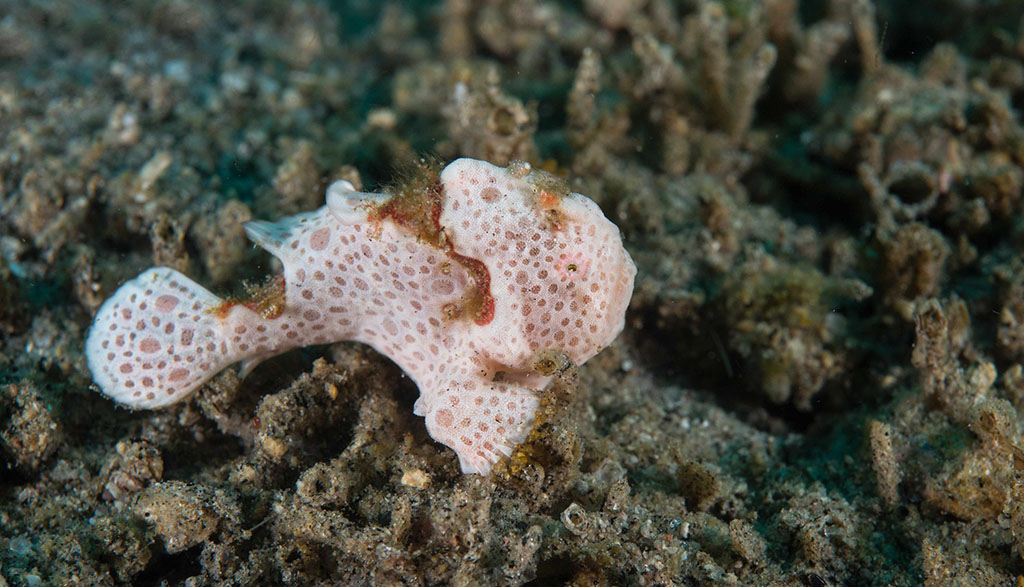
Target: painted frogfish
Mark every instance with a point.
(461, 278)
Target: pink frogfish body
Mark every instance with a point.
(504, 264)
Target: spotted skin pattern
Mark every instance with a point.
(556, 271)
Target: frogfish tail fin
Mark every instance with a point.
(156, 340)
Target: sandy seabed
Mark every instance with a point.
(820, 379)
